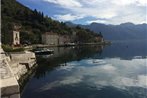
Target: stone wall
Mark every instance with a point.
(12, 68)
(21, 63)
(9, 85)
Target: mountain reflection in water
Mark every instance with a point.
(116, 71)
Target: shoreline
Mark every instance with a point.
(22, 68)
(17, 70)
(68, 45)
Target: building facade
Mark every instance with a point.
(55, 39)
(99, 39)
(50, 39)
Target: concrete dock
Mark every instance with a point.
(12, 68)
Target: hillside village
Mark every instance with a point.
(49, 38)
(34, 25)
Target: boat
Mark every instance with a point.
(43, 51)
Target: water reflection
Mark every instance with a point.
(126, 50)
(91, 72)
(115, 72)
(63, 55)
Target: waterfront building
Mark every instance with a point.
(99, 39)
(64, 39)
(50, 38)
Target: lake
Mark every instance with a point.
(115, 71)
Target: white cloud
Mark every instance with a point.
(97, 21)
(65, 3)
(142, 2)
(114, 11)
(48, 86)
(67, 17)
(71, 80)
(123, 2)
(129, 2)
(142, 80)
(121, 74)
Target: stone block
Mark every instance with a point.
(15, 96)
(10, 90)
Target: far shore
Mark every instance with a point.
(67, 45)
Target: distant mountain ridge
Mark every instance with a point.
(124, 31)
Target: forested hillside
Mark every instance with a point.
(34, 23)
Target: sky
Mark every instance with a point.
(89, 11)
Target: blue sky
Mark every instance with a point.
(88, 11)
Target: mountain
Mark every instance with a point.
(34, 23)
(124, 31)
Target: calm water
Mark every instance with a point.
(116, 71)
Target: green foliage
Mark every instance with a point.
(34, 23)
(84, 35)
(8, 48)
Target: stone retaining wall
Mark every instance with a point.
(12, 68)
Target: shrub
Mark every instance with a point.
(8, 48)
